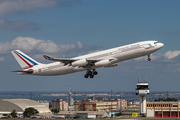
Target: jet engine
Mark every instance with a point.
(112, 65)
(81, 62)
(102, 63)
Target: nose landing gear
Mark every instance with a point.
(91, 73)
(149, 59)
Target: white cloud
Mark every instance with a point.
(23, 6)
(32, 45)
(19, 6)
(79, 44)
(168, 56)
(18, 25)
(2, 58)
(171, 54)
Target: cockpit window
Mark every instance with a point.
(155, 42)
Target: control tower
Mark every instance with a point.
(142, 90)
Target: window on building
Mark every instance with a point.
(175, 105)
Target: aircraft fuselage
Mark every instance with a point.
(117, 54)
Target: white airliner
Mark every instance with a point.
(89, 62)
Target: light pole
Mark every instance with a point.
(120, 101)
(75, 100)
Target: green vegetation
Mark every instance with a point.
(29, 112)
(118, 114)
(168, 99)
(13, 114)
(55, 111)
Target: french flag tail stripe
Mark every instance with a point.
(46, 57)
(23, 60)
(34, 63)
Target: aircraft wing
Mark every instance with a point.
(68, 60)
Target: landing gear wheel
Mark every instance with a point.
(149, 59)
(95, 72)
(91, 76)
(86, 75)
(90, 73)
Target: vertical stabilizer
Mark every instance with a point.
(24, 61)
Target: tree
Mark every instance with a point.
(55, 111)
(14, 114)
(168, 99)
(29, 112)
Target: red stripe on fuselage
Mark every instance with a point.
(24, 61)
(101, 56)
(121, 52)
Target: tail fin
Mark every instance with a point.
(24, 61)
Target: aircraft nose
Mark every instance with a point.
(161, 45)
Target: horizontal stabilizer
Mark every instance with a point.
(21, 71)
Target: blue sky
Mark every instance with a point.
(74, 27)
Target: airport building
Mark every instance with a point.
(19, 105)
(60, 104)
(83, 114)
(100, 105)
(163, 109)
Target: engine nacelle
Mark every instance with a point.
(82, 62)
(112, 65)
(102, 63)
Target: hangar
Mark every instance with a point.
(8, 105)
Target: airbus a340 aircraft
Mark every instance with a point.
(89, 62)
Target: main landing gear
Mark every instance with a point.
(149, 59)
(91, 73)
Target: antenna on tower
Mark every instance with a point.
(69, 88)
